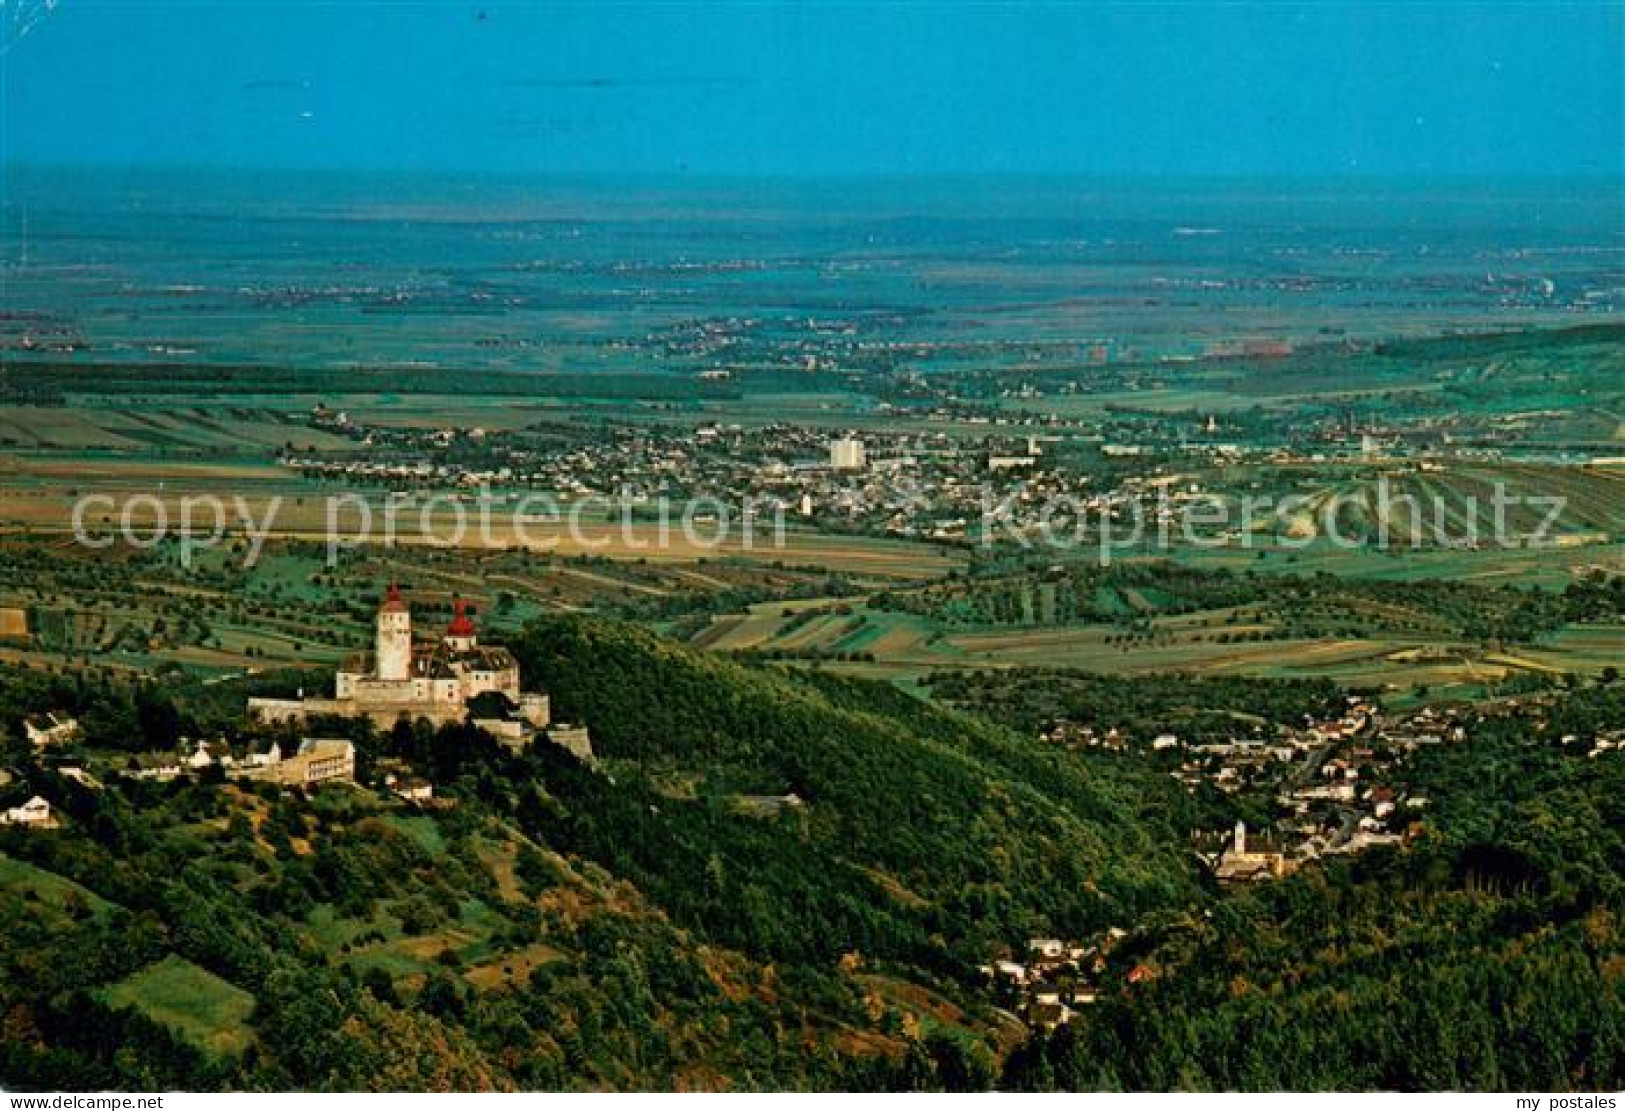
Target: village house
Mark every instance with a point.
(1046, 947)
(33, 814)
(318, 761)
(207, 755)
(162, 766)
(1364, 838)
(49, 729)
(413, 790)
(1045, 993)
(80, 776)
(1013, 971)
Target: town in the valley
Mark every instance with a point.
(955, 472)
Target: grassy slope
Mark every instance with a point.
(203, 1008)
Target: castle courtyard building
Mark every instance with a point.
(401, 678)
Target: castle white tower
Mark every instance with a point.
(1241, 839)
(394, 644)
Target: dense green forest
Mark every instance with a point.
(634, 925)
(1196, 707)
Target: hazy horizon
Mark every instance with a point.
(1192, 91)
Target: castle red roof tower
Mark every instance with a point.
(461, 624)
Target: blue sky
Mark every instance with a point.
(1385, 89)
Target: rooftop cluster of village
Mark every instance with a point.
(1339, 786)
(1048, 984)
(1334, 786)
(313, 763)
(912, 481)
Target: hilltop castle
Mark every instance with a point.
(399, 678)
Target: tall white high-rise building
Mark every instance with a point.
(846, 454)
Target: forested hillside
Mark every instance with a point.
(915, 821)
(634, 926)
(780, 879)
